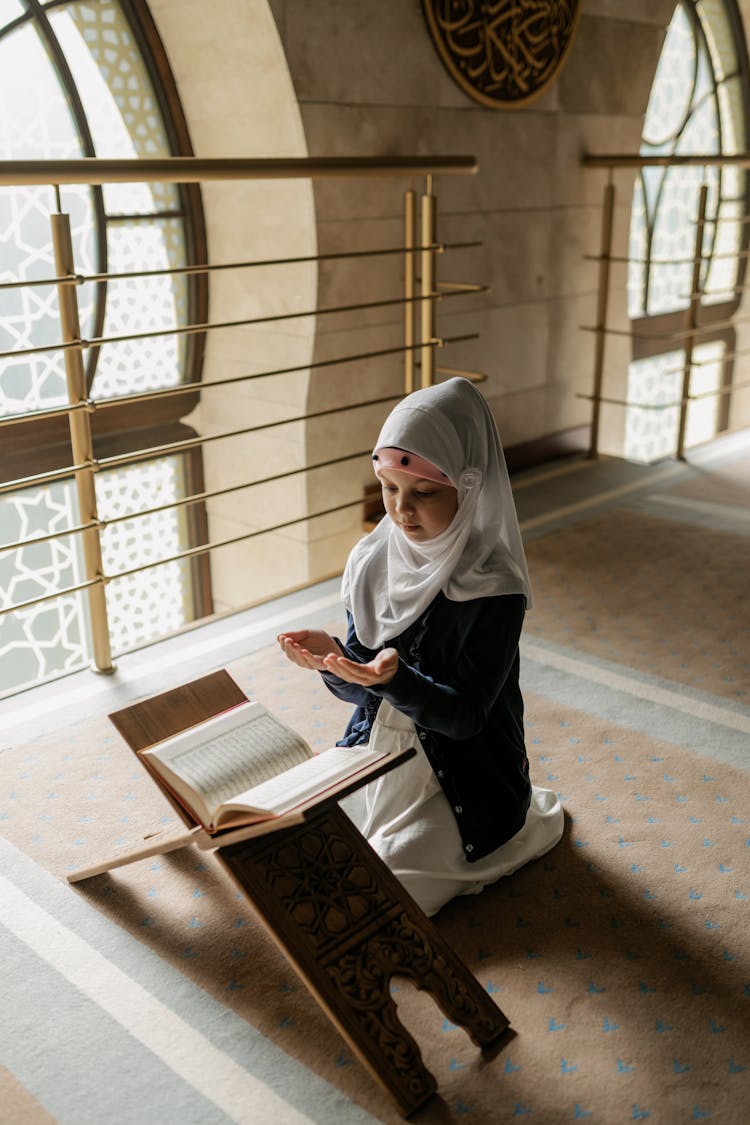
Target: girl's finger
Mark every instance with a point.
(299, 655)
(343, 668)
(363, 674)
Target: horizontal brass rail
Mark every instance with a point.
(191, 443)
(179, 271)
(183, 502)
(707, 258)
(461, 287)
(193, 169)
(192, 329)
(46, 412)
(684, 333)
(727, 292)
(629, 403)
(691, 160)
(194, 552)
(93, 404)
(44, 478)
(720, 392)
(105, 463)
(201, 497)
(190, 553)
(49, 597)
(693, 364)
(724, 356)
(77, 529)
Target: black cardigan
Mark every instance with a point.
(457, 680)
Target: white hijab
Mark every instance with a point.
(389, 580)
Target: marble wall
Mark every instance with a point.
(239, 101)
(369, 80)
(290, 77)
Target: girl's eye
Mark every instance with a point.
(424, 495)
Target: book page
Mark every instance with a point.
(236, 751)
(285, 791)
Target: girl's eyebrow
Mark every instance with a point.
(415, 482)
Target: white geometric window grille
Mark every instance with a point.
(51, 638)
(144, 230)
(153, 303)
(696, 105)
(125, 122)
(156, 602)
(655, 384)
(48, 639)
(38, 124)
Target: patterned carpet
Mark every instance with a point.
(649, 593)
(621, 958)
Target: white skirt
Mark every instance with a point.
(407, 820)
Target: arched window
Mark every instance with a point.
(698, 104)
(82, 78)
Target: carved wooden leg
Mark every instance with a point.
(348, 926)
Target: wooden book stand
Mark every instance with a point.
(337, 913)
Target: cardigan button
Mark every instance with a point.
(441, 773)
(422, 735)
(459, 808)
(469, 848)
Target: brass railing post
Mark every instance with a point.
(81, 442)
(691, 320)
(602, 304)
(427, 287)
(410, 285)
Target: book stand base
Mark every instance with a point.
(339, 915)
(348, 926)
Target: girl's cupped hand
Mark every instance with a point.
(379, 670)
(317, 650)
(308, 647)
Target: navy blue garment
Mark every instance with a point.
(457, 680)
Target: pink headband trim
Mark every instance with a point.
(403, 461)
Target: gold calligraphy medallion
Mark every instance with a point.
(502, 52)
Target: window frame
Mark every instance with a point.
(656, 333)
(122, 429)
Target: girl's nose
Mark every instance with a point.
(403, 504)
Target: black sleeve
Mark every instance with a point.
(458, 705)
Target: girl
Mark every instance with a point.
(435, 599)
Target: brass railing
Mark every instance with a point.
(689, 334)
(420, 296)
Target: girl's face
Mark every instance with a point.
(421, 508)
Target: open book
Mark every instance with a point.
(244, 765)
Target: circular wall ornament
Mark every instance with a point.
(502, 52)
